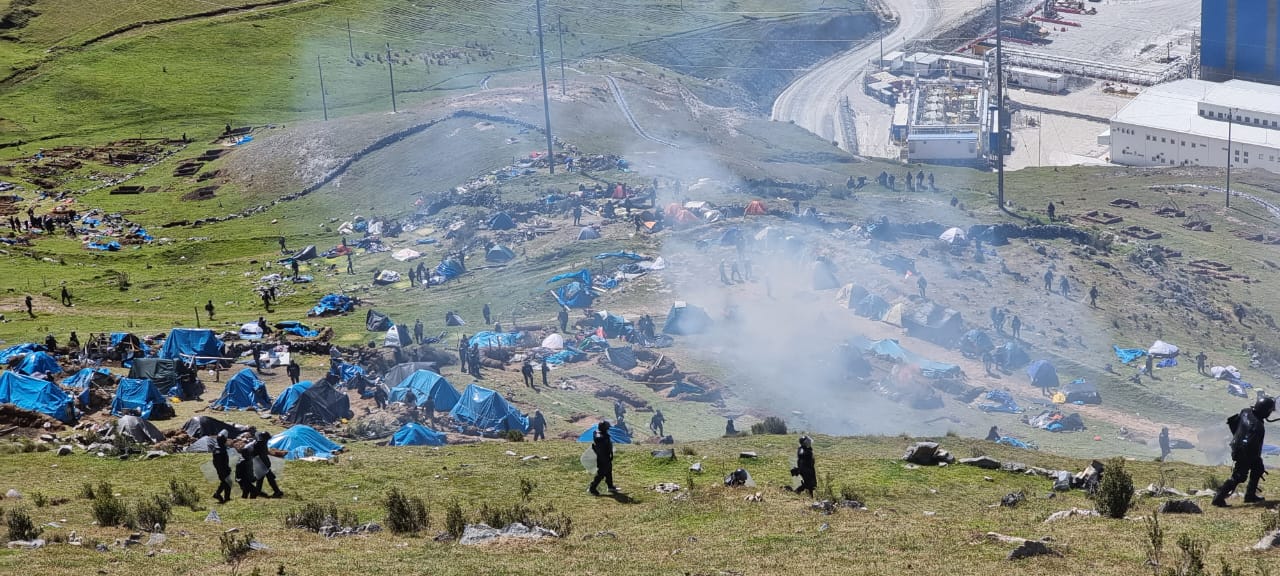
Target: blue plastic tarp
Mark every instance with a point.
(26, 348)
(136, 394)
(574, 295)
(286, 400)
(1043, 374)
(118, 337)
(111, 246)
(568, 355)
(188, 344)
(449, 269)
(892, 350)
(488, 410)
(82, 380)
(616, 433)
(35, 395)
(489, 339)
(1127, 355)
(1167, 363)
(333, 304)
(684, 319)
(414, 434)
(1016, 443)
(244, 390)
(426, 384)
(1000, 401)
(583, 276)
(39, 363)
(348, 371)
(302, 441)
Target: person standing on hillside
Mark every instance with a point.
(208, 308)
(539, 426)
(546, 369)
(1093, 296)
(1016, 325)
(282, 248)
(222, 467)
(1164, 444)
(462, 353)
(1063, 286)
(526, 371)
(922, 284)
(417, 331)
(563, 316)
(1052, 210)
(351, 269)
(1201, 358)
(66, 296)
(485, 312)
(294, 371)
(293, 267)
(577, 214)
(29, 311)
(1048, 281)
(656, 423)
(602, 446)
(805, 467)
(1248, 432)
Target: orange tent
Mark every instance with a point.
(619, 192)
(757, 208)
(686, 217)
(672, 210)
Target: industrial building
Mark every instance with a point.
(947, 122)
(1239, 40)
(1188, 123)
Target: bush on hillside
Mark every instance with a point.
(1115, 493)
(108, 509)
(153, 514)
(770, 425)
(405, 514)
(20, 525)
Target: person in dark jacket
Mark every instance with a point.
(429, 410)
(539, 425)
(380, 396)
(264, 458)
(546, 369)
(655, 423)
(1164, 444)
(485, 311)
(602, 446)
(294, 371)
(805, 467)
(526, 370)
(244, 474)
(462, 353)
(222, 466)
(417, 331)
(1248, 431)
(729, 430)
(563, 317)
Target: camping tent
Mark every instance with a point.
(332, 304)
(426, 384)
(193, 345)
(954, 237)
(731, 236)
(872, 306)
(415, 434)
(244, 390)
(499, 254)
(685, 217)
(199, 426)
(618, 434)
(894, 314)
(35, 395)
(1162, 349)
(399, 372)
(141, 396)
(553, 341)
(501, 221)
(449, 268)
(824, 275)
(12, 351)
(138, 429)
(684, 319)
(303, 441)
(85, 379)
(39, 363)
(588, 233)
(622, 356)
(1011, 355)
(163, 374)
(576, 294)
(320, 404)
(487, 410)
(935, 323)
(289, 397)
(850, 295)
(304, 254)
(1043, 374)
(398, 336)
(1082, 391)
(375, 321)
(251, 331)
(613, 325)
(756, 208)
(385, 277)
(976, 342)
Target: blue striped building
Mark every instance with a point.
(1239, 40)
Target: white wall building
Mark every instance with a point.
(1185, 123)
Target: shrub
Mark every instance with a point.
(182, 493)
(153, 514)
(553, 520)
(1191, 554)
(86, 491)
(770, 425)
(527, 487)
(1155, 542)
(20, 525)
(108, 509)
(514, 436)
(313, 516)
(406, 515)
(1115, 493)
(455, 520)
(39, 499)
(498, 516)
(688, 451)
(1212, 482)
(848, 492)
(235, 546)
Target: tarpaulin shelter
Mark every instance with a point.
(574, 295)
(250, 331)
(397, 336)
(588, 233)
(12, 351)
(452, 318)
(138, 429)
(85, 379)
(405, 255)
(1011, 355)
(613, 325)
(553, 341)
(36, 395)
(415, 434)
(320, 404)
(1055, 421)
(426, 384)
(685, 218)
(303, 441)
(1043, 374)
(935, 323)
(332, 304)
(200, 426)
(618, 434)
(489, 339)
(385, 277)
(622, 356)
(163, 374)
(193, 346)
(731, 236)
(487, 410)
(501, 221)
(135, 344)
(756, 208)
(685, 318)
(871, 306)
(289, 397)
(671, 210)
(304, 254)
(1127, 355)
(1082, 391)
(141, 396)
(399, 372)
(499, 254)
(1162, 349)
(244, 390)
(850, 295)
(954, 236)
(297, 329)
(449, 268)
(39, 362)
(375, 321)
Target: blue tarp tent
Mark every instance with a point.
(244, 390)
(620, 254)
(488, 410)
(1043, 374)
(83, 379)
(118, 337)
(35, 395)
(1012, 356)
(39, 362)
(618, 435)
(583, 276)
(414, 434)
(588, 233)
(302, 441)
(332, 304)
(285, 401)
(495, 339)
(501, 221)
(731, 236)
(184, 344)
(574, 295)
(685, 319)
(872, 306)
(297, 329)
(141, 396)
(1127, 355)
(12, 351)
(426, 384)
(449, 268)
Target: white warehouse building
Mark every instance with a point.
(1186, 123)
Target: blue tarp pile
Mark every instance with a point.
(10, 352)
(414, 434)
(684, 319)
(303, 441)
(348, 371)
(568, 355)
(1016, 443)
(285, 401)
(244, 390)
(495, 339)
(82, 380)
(593, 343)
(35, 395)
(1000, 401)
(616, 433)
(106, 246)
(1127, 355)
(186, 344)
(1167, 363)
(39, 363)
(488, 411)
(297, 329)
(138, 395)
(333, 304)
(889, 349)
(575, 294)
(426, 384)
(118, 337)
(614, 326)
(627, 255)
(1055, 421)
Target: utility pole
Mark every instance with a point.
(1039, 138)
(1230, 122)
(324, 104)
(546, 100)
(560, 29)
(999, 113)
(351, 47)
(392, 74)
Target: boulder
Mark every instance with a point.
(1180, 507)
(1063, 482)
(13, 494)
(153, 454)
(1031, 549)
(1062, 514)
(984, 462)
(480, 533)
(1269, 541)
(928, 454)
(1012, 499)
(697, 467)
(65, 450)
(1089, 477)
(664, 454)
(27, 544)
(1158, 491)
(747, 455)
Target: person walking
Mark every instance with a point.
(1247, 434)
(29, 311)
(1048, 281)
(602, 446)
(656, 423)
(1093, 296)
(577, 214)
(546, 369)
(1063, 286)
(66, 296)
(222, 467)
(264, 459)
(922, 284)
(805, 468)
(563, 316)
(1016, 325)
(244, 474)
(485, 311)
(417, 331)
(208, 308)
(294, 371)
(539, 426)
(526, 370)
(293, 267)
(619, 410)
(1164, 444)
(351, 268)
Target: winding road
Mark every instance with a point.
(812, 100)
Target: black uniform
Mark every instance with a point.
(294, 371)
(260, 452)
(1248, 432)
(805, 467)
(546, 368)
(602, 445)
(526, 371)
(655, 423)
(244, 474)
(222, 466)
(563, 317)
(539, 425)
(1164, 444)
(485, 312)
(417, 331)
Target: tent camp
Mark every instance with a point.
(39, 362)
(756, 208)
(894, 314)
(1081, 391)
(871, 306)
(613, 325)
(200, 426)
(954, 237)
(88, 378)
(448, 269)
(163, 374)
(501, 221)
(399, 372)
(685, 318)
(935, 323)
(499, 254)
(375, 321)
(142, 397)
(332, 304)
(1043, 374)
(588, 233)
(137, 429)
(415, 434)
(35, 395)
(193, 345)
(244, 390)
(303, 442)
(1162, 349)
(975, 343)
(303, 255)
(289, 397)
(618, 434)
(824, 275)
(320, 404)
(9, 353)
(488, 411)
(685, 218)
(426, 384)
(850, 295)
